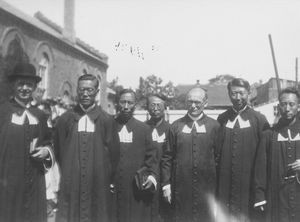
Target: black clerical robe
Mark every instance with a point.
(188, 164)
(274, 182)
(22, 181)
(238, 140)
(136, 151)
(160, 208)
(87, 150)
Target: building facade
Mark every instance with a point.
(59, 57)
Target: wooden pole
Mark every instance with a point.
(296, 72)
(275, 65)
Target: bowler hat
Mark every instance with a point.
(24, 70)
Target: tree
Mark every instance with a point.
(221, 79)
(115, 86)
(153, 85)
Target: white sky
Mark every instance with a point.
(185, 40)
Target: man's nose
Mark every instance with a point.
(126, 105)
(25, 86)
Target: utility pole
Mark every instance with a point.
(275, 65)
(296, 72)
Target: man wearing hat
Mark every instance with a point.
(25, 151)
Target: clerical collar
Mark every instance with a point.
(156, 123)
(240, 111)
(88, 109)
(195, 118)
(26, 106)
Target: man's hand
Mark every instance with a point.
(112, 188)
(148, 184)
(40, 153)
(261, 208)
(167, 193)
(295, 166)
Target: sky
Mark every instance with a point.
(185, 40)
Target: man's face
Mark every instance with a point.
(23, 89)
(156, 107)
(87, 91)
(126, 104)
(238, 96)
(196, 102)
(288, 106)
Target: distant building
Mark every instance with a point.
(266, 98)
(267, 92)
(59, 57)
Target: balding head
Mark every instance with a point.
(196, 100)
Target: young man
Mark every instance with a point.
(87, 150)
(240, 132)
(137, 151)
(25, 149)
(277, 177)
(159, 129)
(188, 163)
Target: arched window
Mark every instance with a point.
(43, 71)
(15, 54)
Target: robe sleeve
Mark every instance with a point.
(151, 155)
(113, 144)
(168, 157)
(260, 170)
(59, 136)
(46, 140)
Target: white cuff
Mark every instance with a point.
(50, 158)
(260, 203)
(153, 180)
(166, 187)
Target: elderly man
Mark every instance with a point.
(241, 131)
(160, 127)
(87, 149)
(24, 149)
(188, 163)
(277, 177)
(134, 196)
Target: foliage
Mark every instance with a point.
(221, 79)
(115, 86)
(153, 85)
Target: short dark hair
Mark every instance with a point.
(162, 97)
(89, 77)
(124, 91)
(289, 90)
(238, 82)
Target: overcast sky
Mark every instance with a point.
(185, 40)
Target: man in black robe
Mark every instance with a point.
(136, 152)
(188, 163)
(277, 177)
(87, 149)
(159, 126)
(25, 151)
(240, 132)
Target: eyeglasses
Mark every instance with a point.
(197, 103)
(90, 91)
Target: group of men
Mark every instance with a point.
(121, 169)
